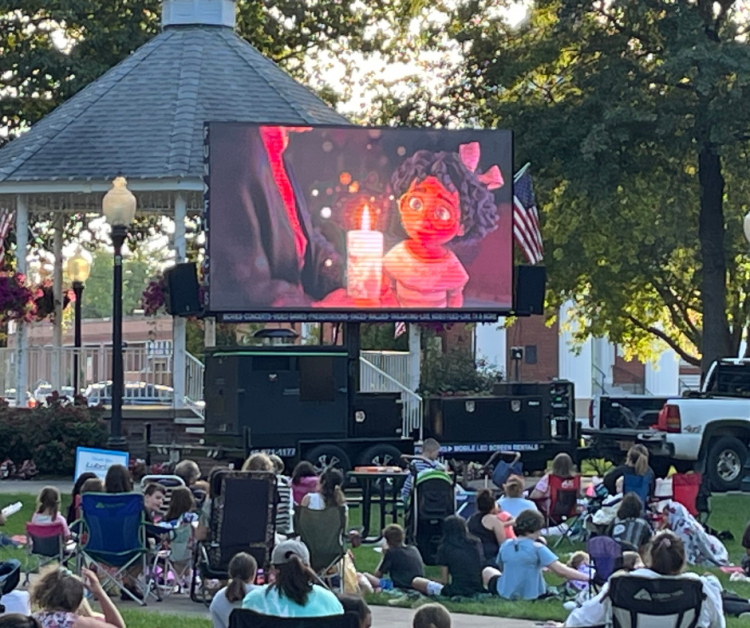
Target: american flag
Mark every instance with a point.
(526, 217)
(6, 222)
(399, 330)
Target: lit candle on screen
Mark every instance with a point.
(364, 260)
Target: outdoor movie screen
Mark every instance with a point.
(333, 222)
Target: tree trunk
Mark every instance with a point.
(716, 336)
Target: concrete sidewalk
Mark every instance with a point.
(382, 616)
(34, 486)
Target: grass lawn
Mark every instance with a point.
(730, 512)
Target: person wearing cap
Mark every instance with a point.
(295, 592)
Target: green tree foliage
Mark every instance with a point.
(636, 116)
(380, 337)
(97, 295)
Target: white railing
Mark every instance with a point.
(194, 370)
(374, 379)
(395, 363)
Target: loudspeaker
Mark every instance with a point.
(531, 283)
(182, 296)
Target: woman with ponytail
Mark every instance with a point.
(295, 593)
(666, 558)
(636, 463)
(242, 570)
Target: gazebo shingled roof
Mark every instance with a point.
(145, 116)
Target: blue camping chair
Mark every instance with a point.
(638, 484)
(113, 539)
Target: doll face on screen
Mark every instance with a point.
(430, 213)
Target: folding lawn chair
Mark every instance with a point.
(10, 576)
(606, 559)
(323, 533)
(114, 540)
(46, 541)
(242, 518)
(686, 488)
(243, 618)
(562, 505)
(172, 566)
(638, 484)
(639, 602)
(433, 499)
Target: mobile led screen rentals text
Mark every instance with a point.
(353, 223)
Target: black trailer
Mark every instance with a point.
(301, 403)
(536, 419)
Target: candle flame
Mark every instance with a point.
(366, 218)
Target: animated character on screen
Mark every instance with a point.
(442, 202)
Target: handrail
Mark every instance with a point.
(412, 402)
(194, 371)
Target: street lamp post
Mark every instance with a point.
(78, 271)
(118, 207)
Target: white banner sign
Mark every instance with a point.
(98, 461)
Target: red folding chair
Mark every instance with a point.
(46, 541)
(562, 504)
(685, 489)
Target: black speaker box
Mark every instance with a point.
(531, 283)
(182, 296)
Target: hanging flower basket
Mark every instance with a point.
(17, 300)
(153, 299)
(45, 300)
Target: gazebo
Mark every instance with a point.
(144, 119)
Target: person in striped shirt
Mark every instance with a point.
(428, 460)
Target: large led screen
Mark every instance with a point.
(321, 222)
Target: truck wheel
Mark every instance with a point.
(726, 457)
(381, 456)
(324, 456)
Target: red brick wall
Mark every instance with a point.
(632, 372)
(529, 332)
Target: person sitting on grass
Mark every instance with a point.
(48, 510)
(431, 616)
(427, 460)
(513, 502)
(486, 525)
(295, 592)
(242, 570)
(666, 558)
(304, 481)
(285, 505)
(403, 563)
(461, 558)
(629, 528)
(355, 604)
(153, 501)
(580, 561)
(59, 596)
(523, 561)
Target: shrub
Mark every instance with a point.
(49, 434)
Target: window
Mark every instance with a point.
(530, 354)
(316, 379)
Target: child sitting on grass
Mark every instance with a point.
(403, 563)
(523, 561)
(580, 561)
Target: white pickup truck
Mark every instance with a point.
(707, 431)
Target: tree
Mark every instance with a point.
(97, 295)
(636, 116)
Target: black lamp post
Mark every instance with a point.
(78, 270)
(118, 207)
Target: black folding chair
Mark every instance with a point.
(243, 618)
(639, 602)
(242, 519)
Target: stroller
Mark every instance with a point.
(433, 499)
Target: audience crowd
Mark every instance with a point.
(500, 550)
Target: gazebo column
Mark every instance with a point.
(57, 290)
(22, 242)
(179, 324)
